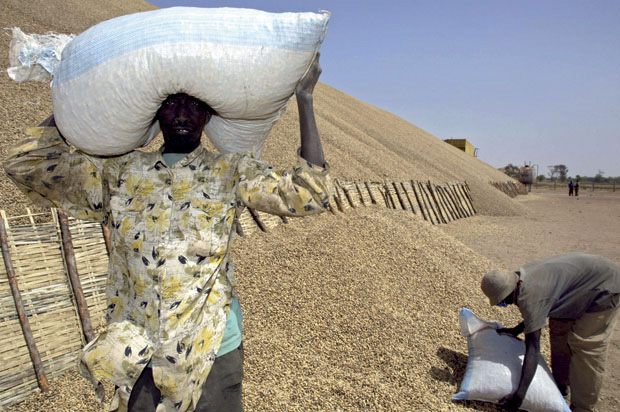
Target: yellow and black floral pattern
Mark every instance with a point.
(171, 278)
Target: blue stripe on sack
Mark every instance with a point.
(122, 35)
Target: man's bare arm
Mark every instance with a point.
(311, 148)
(49, 122)
(513, 401)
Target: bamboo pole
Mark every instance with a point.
(400, 199)
(330, 206)
(35, 357)
(385, 199)
(389, 195)
(359, 192)
(347, 195)
(408, 198)
(429, 210)
(442, 211)
(445, 204)
(469, 198)
(106, 239)
(460, 200)
(468, 205)
(420, 201)
(449, 203)
(372, 198)
(433, 209)
(74, 278)
(256, 218)
(338, 199)
(31, 218)
(455, 207)
(467, 187)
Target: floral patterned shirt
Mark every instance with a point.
(171, 279)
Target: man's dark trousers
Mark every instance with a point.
(221, 391)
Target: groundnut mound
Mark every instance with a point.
(352, 312)
(356, 312)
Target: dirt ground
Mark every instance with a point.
(556, 223)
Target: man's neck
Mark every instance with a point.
(179, 149)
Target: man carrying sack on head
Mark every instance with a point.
(173, 338)
(580, 294)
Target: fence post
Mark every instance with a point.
(256, 218)
(402, 184)
(420, 200)
(385, 199)
(106, 239)
(331, 207)
(21, 312)
(338, 200)
(74, 278)
(359, 192)
(388, 195)
(372, 198)
(400, 199)
(347, 195)
(429, 206)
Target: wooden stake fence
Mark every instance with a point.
(35, 357)
(510, 188)
(436, 204)
(74, 278)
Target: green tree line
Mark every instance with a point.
(560, 173)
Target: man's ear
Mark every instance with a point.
(207, 119)
(156, 118)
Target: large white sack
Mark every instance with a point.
(494, 368)
(244, 63)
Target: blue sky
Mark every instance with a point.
(535, 81)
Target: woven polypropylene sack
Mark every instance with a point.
(494, 368)
(244, 63)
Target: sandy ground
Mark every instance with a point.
(556, 223)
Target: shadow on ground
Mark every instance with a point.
(453, 372)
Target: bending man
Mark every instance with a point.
(580, 294)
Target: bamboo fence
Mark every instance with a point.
(510, 188)
(52, 291)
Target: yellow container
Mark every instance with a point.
(462, 144)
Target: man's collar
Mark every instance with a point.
(197, 152)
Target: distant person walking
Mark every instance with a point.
(571, 187)
(577, 188)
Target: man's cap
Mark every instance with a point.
(498, 285)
